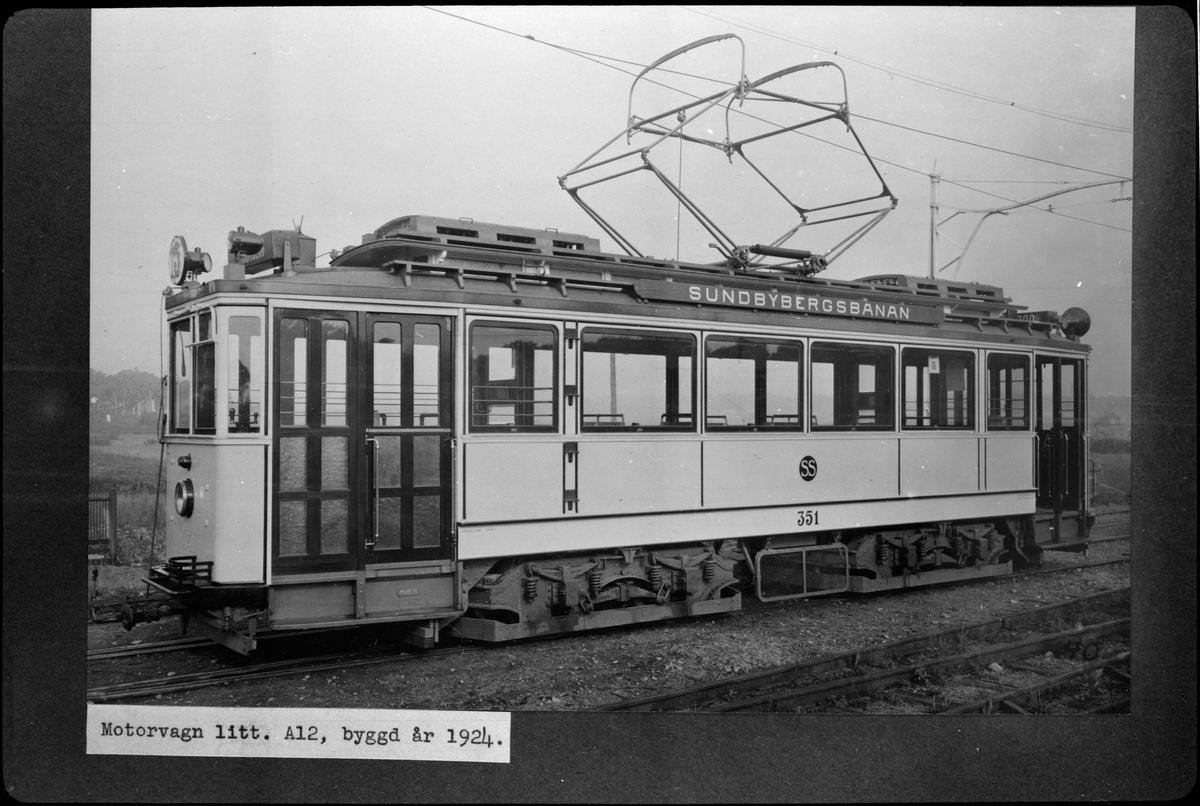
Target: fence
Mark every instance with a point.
(102, 526)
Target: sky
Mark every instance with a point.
(343, 119)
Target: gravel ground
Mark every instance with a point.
(580, 672)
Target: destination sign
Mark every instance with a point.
(789, 302)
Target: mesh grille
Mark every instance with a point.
(804, 571)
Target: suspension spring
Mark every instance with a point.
(654, 574)
(922, 546)
(956, 541)
(708, 570)
(531, 586)
(594, 581)
(993, 541)
(881, 553)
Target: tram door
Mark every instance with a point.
(1059, 423)
(407, 438)
(363, 430)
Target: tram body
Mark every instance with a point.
(503, 432)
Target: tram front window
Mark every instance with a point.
(244, 374)
(193, 375)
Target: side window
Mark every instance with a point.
(638, 381)
(182, 376)
(853, 388)
(1008, 392)
(514, 378)
(205, 388)
(193, 375)
(335, 335)
(244, 374)
(293, 372)
(753, 384)
(938, 388)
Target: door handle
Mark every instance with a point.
(373, 483)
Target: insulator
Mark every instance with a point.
(530, 588)
(654, 574)
(594, 581)
(709, 570)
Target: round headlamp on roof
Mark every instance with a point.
(181, 262)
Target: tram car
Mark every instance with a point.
(498, 432)
(503, 432)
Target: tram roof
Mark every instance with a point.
(412, 257)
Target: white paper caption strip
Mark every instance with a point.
(156, 730)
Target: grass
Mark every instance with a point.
(128, 464)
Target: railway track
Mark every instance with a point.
(308, 665)
(131, 650)
(341, 660)
(197, 642)
(790, 687)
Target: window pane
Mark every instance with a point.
(753, 384)
(385, 388)
(181, 376)
(427, 341)
(1045, 393)
(206, 388)
(334, 535)
(388, 457)
(1008, 392)
(939, 388)
(244, 374)
(427, 521)
(390, 524)
(852, 387)
(427, 461)
(633, 380)
(293, 372)
(783, 392)
(514, 383)
(293, 463)
(334, 463)
(1068, 394)
(730, 391)
(333, 391)
(293, 528)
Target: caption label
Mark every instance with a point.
(156, 730)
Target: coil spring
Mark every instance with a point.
(956, 541)
(530, 584)
(881, 553)
(993, 541)
(654, 574)
(708, 570)
(594, 581)
(922, 545)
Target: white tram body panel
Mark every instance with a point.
(436, 432)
